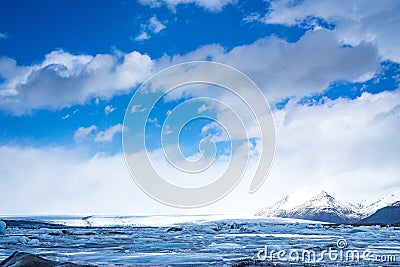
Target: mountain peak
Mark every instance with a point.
(387, 200)
(322, 199)
(324, 207)
(323, 194)
(285, 199)
(275, 208)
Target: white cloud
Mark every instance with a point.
(109, 109)
(61, 181)
(63, 79)
(108, 134)
(3, 35)
(202, 108)
(355, 21)
(283, 69)
(167, 129)
(66, 116)
(137, 108)
(142, 36)
(252, 17)
(153, 25)
(92, 132)
(211, 5)
(154, 121)
(83, 133)
(347, 147)
(280, 68)
(214, 132)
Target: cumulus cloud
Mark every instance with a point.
(355, 21)
(153, 26)
(283, 69)
(109, 109)
(63, 79)
(211, 5)
(92, 133)
(142, 36)
(348, 147)
(280, 68)
(108, 134)
(337, 146)
(83, 133)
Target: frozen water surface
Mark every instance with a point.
(217, 240)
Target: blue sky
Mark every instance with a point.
(68, 70)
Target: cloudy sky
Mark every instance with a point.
(68, 70)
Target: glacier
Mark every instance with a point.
(203, 240)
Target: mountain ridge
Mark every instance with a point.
(324, 207)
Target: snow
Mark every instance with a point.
(274, 210)
(382, 202)
(324, 202)
(161, 220)
(139, 221)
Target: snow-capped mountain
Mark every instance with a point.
(385, 201)
(324, 207)
(277, 209)
(387, 215)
